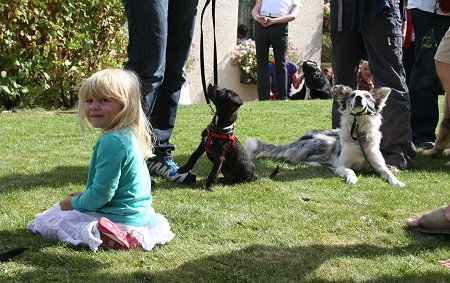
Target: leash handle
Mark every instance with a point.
(202, 51)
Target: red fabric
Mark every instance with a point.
(409, 29)
(444, 5)
(211, 135)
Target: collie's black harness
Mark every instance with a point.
(226, 133)
(361, 138)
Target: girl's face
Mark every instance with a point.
(101, 111)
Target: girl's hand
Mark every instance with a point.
(75, 194)
(65, 204)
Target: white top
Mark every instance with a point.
(425, 5)
(277, 8)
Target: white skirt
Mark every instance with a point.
(78, 228)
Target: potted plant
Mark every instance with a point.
(244, 56)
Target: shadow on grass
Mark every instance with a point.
(431, 164)
(57, 177)
(201, 169)
(46, 260)
(299, 171)
(263, 263)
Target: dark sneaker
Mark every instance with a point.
(115, 238)
(169, 170)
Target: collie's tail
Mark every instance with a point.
(315, 146)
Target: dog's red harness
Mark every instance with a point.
(212, 134)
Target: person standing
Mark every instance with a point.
(271, 28)
(430, 25)
(376, 26)
(160, 37)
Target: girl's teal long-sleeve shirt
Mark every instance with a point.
(118, 185)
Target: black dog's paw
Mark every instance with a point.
(190, 178)
(182, 170)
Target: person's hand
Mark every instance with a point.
(262, 20)
(296, 80)
(269, 22)
(370, 81)
(75, 194)
(445, 262)
(65, 204)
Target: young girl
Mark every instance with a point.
(115, 209)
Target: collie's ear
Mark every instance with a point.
(381, 95)
(341, 93)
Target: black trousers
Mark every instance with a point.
(277, 37)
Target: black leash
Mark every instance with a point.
(358, 138)
(202, 53)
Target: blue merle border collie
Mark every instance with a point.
(355, 146)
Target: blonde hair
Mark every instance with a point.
(122, 86)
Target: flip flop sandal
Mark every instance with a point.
(434, 222)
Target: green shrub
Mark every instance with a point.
(47, 47)
(326, 48)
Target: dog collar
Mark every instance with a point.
(226, 133)
(224, 130)
(367, 110)
(362, 112)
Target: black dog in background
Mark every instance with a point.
(316, 85)
(221, 145)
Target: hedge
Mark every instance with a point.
(48, 46)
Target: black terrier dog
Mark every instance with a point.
(316, 85)
(221, 145)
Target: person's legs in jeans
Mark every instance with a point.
(424, 85)
(262, 43)
(147, 29)
(181, 20)
(154, 31)
(279, 37)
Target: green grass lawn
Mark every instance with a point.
(306, 225)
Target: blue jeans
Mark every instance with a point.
(424, 85)
(160, 36)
